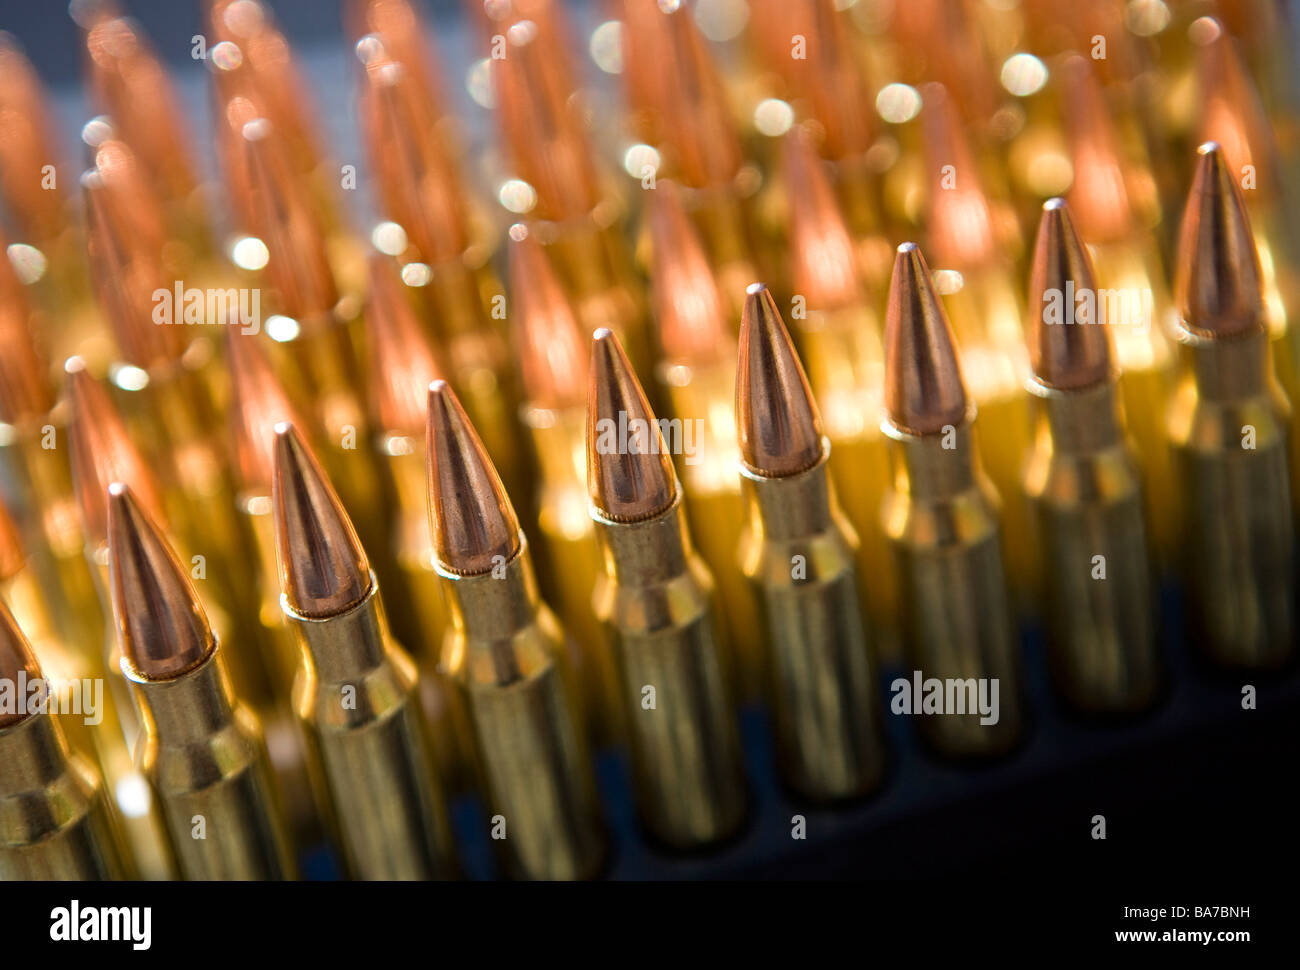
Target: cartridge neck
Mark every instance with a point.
(791, 507)
(489, 611)
(934, 466)
(457, 303)
(197, 704)
(1079, 421)
(1225, 369)
(347, 646)
(33, 752)
(648, 552)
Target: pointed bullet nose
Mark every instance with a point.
(16, 658)
(160, 622)
(691, 322)
(402, 359)
(285, 220)
(551, 351)
(1068, 349)
(101, 452)
(1218, 279)
(258, 404)
(923, 383)
(777, 419)
(630, 475)
(323, 569)
(470, 515)
(824, 266)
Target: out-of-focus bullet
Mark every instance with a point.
(1084, 486)
(35, 193)
(839, 336)
(402, 365)
(552, 357)
(798, 551)
(506, 653)
(1227, 424)
(697, 371)
(830, 82)
(679, 104)
(397, 24)
(28, 151)
(656, 599)
(253, 69)
(975, 240)
(579, 221)
(202, 751)
(448, 256)
(941, 514)
(130, 83)
(356, 693)
(1113, 198)
(29, 423)
(55, 821)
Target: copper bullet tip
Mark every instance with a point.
(1099, 192)
(125, 240)
(824, 269)
(402, 360)
(323, 569)
(474, 525)
(1068, 348)
(418, 183)
(689, 311)
(284, 219)
(1230, 110)
(551, 352)
(777, 419)
(27, 145)
(24, 389)
(16, 658)
(160, 622)
(960, 220)
(630, 475)
(1218, 278)
(924, 390)
(102, 453)
(258, 402)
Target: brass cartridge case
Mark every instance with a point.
(55, 821)
(798, 551)
(1237, 555)
(1083, 485)
(505, 652)
(205, 758)
(356, 700)
(656, 600)
(941, 515)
